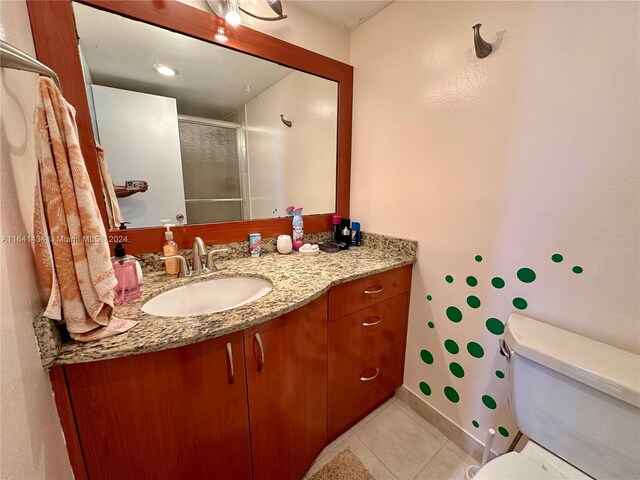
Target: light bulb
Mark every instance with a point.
(232, 12)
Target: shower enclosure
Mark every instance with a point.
(214, 170)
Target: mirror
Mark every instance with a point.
(207, 144)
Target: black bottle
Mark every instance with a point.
(343, 236)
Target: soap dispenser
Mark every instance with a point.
(170, 248)
(124, 268)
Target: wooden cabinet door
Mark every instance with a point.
(287, 383)
(175, 414)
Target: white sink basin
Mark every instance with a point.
(209, 296)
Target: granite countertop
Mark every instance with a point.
(296, 279)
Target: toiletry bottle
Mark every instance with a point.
(124, 269)
(344, 234)
(355, 234)
(335, 226)
(298, 229)
(171, 267)
(123, 226)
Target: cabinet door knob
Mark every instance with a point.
(371, 324)
(373, 292)
(230, 355)
(259, 340)
(373, 377)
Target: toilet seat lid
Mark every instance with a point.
(512, 466)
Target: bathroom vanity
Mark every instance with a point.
(253, 392)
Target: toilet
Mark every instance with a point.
(578, 402)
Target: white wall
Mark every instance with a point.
(31, 441)
(297, 165)
(529, 152)
(300, 28)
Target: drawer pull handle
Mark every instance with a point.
(371, 324)
(373, 377)
(259, 340)
(230, 355)
(373, 292)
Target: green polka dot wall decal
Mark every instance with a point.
(449, 279)
(489, 402)
(475, 349)
(451, 394)
(557, 258)
(454, 314)
(473, 301)
(577, 269)
(526, 275)
(499, 374)
(425, 388)
(475, 424)
(497, 282)
(430, 325)
(456, 369)
(429, 297)
(451, 346)
(503, 431)
(520, 303)
(495, 326)
(426, 356)
(472, 281)
(478, 258)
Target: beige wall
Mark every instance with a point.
(297, 165)
(529, 152)
(300, 28)
(31, 443)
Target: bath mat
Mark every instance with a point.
(344, 466)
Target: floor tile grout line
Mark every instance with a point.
(378, 458)
(429, 462)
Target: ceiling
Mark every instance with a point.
(345, 13)
(212, 82)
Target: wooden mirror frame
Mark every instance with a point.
(55, 39)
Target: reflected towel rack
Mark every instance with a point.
(12, 57)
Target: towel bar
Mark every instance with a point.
(12, 57)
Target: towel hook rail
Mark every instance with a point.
(12, 57)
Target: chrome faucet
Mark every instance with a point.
(199, 256)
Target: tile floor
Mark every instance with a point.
(395, 443)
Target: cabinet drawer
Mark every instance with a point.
(358, 294)
(351, 396)
(362, 335)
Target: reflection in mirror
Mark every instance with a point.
(197, 133)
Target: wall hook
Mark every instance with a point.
(483, 49)
(288, 123)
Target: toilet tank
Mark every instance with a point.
(578, 398)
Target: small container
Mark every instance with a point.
(126, 273)
(255, 244)
(335, 226)
(343, 237)
(355, 234)
(170, 248)
(298, 229)
(284, 244)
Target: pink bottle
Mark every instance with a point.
(125, 270)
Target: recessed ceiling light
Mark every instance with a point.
(165, 70)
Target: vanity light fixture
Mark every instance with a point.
(230, 10)
(165, 70)
(221, 35)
